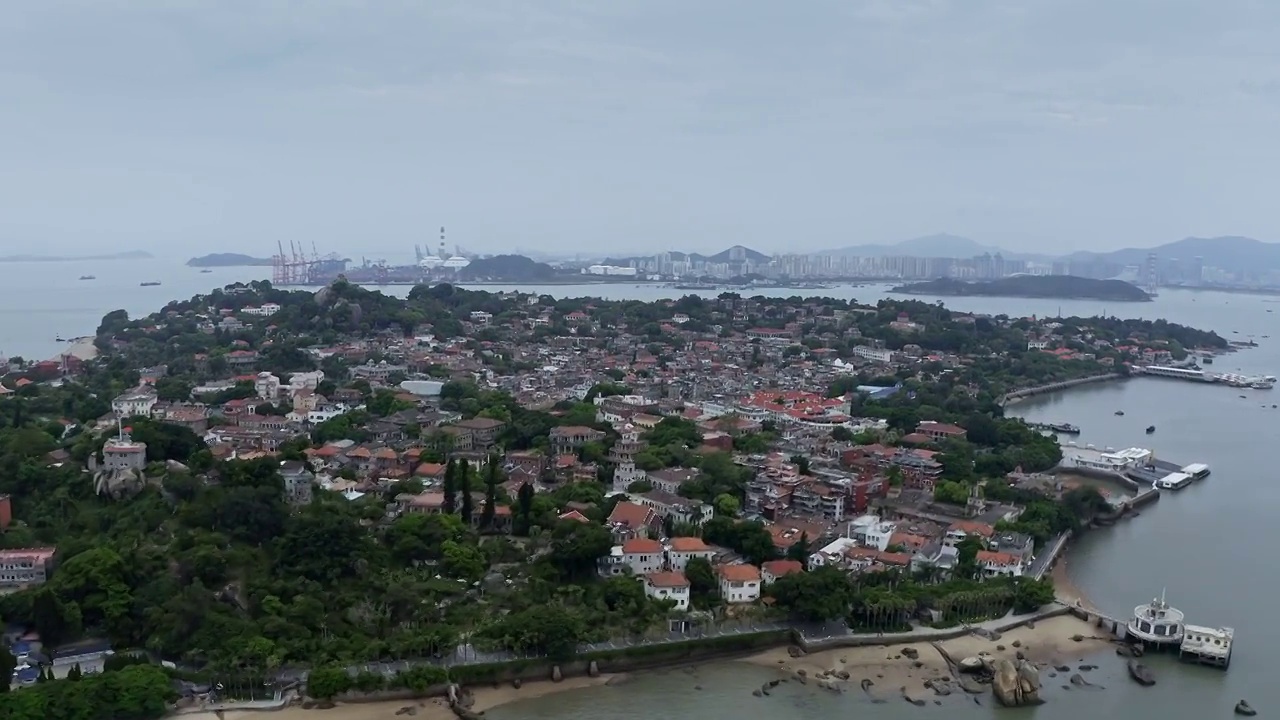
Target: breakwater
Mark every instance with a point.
(1055, 387)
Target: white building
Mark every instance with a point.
(308, 380)
(672, 585)
(681, 550)
(867, 352)
(639, 556)
(832, 553)
(1116, 461)
(609, 270)
(739, 583)
(133, 405)
(267, 386)
(264, 310)
(870, 531)
(999, 564)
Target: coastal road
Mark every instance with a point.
(1040, 565)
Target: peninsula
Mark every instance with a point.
(1062, 287)
(227, 260)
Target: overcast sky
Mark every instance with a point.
(188, 126)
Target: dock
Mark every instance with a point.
(1257, 382)
(1158, 626)
(1206, 645)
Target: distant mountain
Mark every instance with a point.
(1065, 287)
(942, 245)
(227, 260)
(1231, 253)
(508, 268)
(724, 256)
(130, 255)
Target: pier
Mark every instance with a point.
(1157, 626)
(1257, 382)
(1060, 428)
(1054, 387)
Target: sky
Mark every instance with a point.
(627, 126)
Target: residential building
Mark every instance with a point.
(640, 556)
(669, 480)
(122, 453)
(631, 520)
(298, 481)
(739, 583)
(681, 510)
(670, 585)
(483, 432)
(774, 569)
(134, 404)
(267, 386)
(568, 438)
(25, 567)
(995, 564)
(939, 432)
(680, 550)
(874, 354)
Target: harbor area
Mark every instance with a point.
(1236, 380)
(1139, 466)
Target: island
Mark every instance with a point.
(253, 481)
(227, 260)
(1062, 287)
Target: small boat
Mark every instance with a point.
(1119, 412)
(88, 277)
(149, 284)
(1151, 429)
(1206, 360)
(1243, 707)
(1141, 674)
(206, 270)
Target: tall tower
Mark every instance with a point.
(623, 454)
(443, 255)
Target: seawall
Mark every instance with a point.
(1055, 387)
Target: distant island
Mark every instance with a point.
(1063, 287)
(130, 255)
(227, 260)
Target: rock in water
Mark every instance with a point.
(1244, 708)
(1029, 679)
(1016, 684)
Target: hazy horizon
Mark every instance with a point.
(566, 126)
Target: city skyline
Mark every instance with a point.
(1044, 127)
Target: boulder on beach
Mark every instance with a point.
(910, 652)
(971, 664)
(795, 651)
(516, 683)
(1016, 684)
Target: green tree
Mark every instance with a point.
(451, 487)
(492, 479)
(464, 488)
(802, 464)
(823, 594)
(727, 505)
(464, 562)
(7, 665)
(801, 549)
(325, 683)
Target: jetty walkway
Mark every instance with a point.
(1054, 387)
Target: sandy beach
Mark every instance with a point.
(1067, 591)
(1049, 643)
(486, 697)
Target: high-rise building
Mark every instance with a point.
(1151, 273)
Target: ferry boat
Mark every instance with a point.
(148, 284)
(88, 277)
